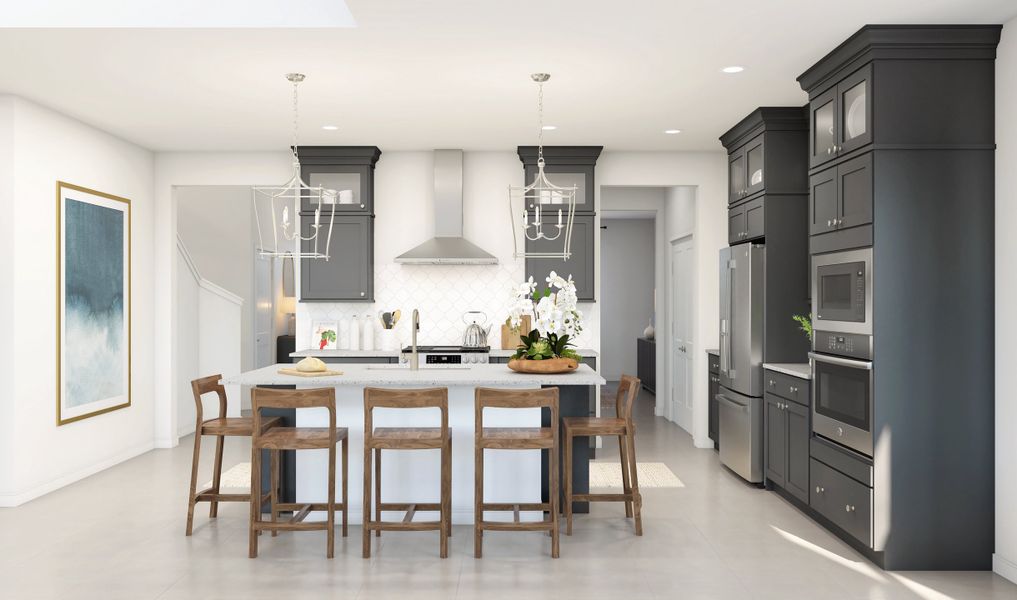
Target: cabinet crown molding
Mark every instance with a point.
(766, 118)
(561, 155)
(339, 155)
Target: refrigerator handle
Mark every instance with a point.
(725, 325)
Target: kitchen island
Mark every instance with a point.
(510, 476)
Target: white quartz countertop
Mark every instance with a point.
(493, 375)
(585, 352)
(799, 370)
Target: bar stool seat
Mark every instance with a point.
(507, 438)
(300, 438)
(410, 438)
(235, 426)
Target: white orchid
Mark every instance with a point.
(554, 311)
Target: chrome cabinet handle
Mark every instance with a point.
(849, 508)
(829, 223)
(829, 151)
(820, 489)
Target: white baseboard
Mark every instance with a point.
(171, 442)
(703, 443)
(19, 498)
(1005, 568)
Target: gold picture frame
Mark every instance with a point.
(95, 303)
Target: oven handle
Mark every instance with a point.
(844, 362)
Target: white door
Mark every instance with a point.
(682, 291)
(264, 313)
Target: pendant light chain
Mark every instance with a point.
(540, 131)
(296, 118)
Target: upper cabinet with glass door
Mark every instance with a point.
(564, 166)
(348, 170)
(841, 118)
(766, 153)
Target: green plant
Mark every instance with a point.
(805, 324)
(533, 346)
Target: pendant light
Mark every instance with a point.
(533, 200)
(283, 204)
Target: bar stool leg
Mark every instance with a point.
(448, 487)
(368, 452)
(213, 506)
(478, 501)
(444, 518)
(626, 486)
(274, 492)
(637, 499)
(330, 532)
(554, 491)
(377, 490)
(252, 538)
(192, 497)
(345, 484)
(568, 482)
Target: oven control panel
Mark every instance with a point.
(853, 345)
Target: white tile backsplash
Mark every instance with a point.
(442, 294)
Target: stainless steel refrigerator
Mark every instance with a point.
(740, 401)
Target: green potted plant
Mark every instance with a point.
(548, 347)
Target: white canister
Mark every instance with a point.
(354, 333)
(387, 340)
(343, 343)
(368, 334)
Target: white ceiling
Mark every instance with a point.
(455, 73)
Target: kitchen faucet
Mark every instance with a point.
(414, 327)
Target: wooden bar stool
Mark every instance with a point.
(296, 438)
(623, 427)
(220, 427)
(516, 438)
(406, 438)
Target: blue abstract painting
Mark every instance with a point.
(94, 301)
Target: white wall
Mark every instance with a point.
(1005, 558)
(187, 345)
(49, 147)
(702, 181)
(7, 371)
(627, 294)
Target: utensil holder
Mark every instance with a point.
(388, 340)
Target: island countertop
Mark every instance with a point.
(495, 352)
(490, 375)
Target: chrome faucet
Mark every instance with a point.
(414, 328)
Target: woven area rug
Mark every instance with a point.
(651, 474)
(239, 476)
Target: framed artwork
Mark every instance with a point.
(324, 335)
(93, 303)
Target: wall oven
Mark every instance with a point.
(842, 400)
(842, 291)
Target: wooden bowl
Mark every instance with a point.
(543, 367)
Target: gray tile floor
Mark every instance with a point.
(119, 534)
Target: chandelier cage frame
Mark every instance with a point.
(542, 193)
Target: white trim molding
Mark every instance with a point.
(202, 282)
(1003, 567)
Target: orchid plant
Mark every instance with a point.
(557, 319)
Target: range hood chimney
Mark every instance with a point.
(448, 246)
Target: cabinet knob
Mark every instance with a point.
(829, 223)
(361, 206)
(849, 508)
(829, 151)
(362, 294)
(794, 390)
(772, 383)
(820, 489)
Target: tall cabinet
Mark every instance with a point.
(901, 155)
(566, 166)
(348, 274)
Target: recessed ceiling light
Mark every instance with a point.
(549, 127)
(733, 69)
(672, 131)
(330, 127)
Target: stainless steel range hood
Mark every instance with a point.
(448, 246)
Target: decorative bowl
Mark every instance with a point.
(543, 367)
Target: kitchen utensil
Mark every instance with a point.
(395, 317)
(386, 319)
(475, 335)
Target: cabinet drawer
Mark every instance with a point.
(714, 362)
(787, 386)
(842, 500)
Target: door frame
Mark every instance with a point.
(667, 410)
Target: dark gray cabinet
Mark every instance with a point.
(841, 197)
(565, 166)
(842, 500)
(841, 118)
(766, 153)
(747, 170)
(713, 363)
(788, 429)
(579, 265)
(746, 222)
(646, 363)
(348, 274)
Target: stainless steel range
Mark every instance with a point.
(448, 355)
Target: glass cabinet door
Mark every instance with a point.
(564, 176)
(855, 97)
(736, 176)
(351, 183)
(754, 161)
(823, 110)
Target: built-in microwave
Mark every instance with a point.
(842, 400)
(842, 292)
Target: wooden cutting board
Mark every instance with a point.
(510, 340)
(297, 373)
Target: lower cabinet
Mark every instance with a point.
(713, 361)
(788, 431)
(842, 500)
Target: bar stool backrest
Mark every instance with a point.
(628, 389)
(502, 398)
(401, 398)
(207, 385)
(315, 398)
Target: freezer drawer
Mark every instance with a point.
(741, 428)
